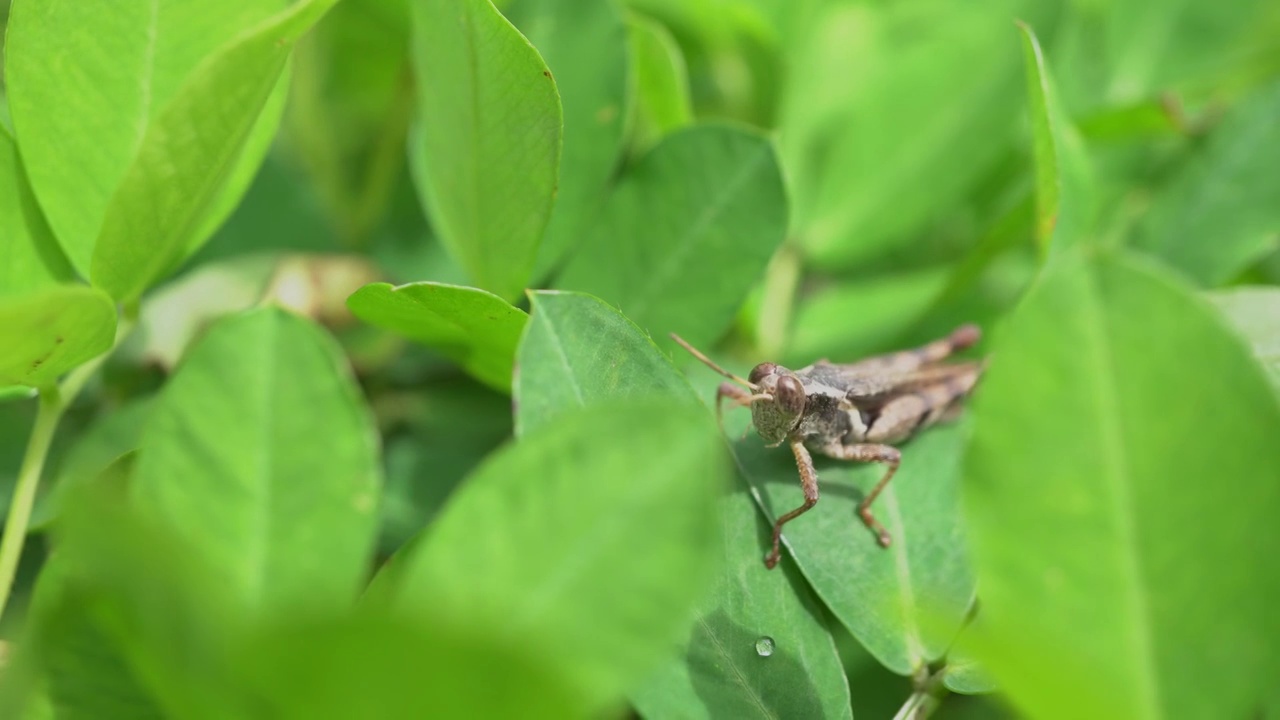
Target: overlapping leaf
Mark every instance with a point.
(196, 159)
(579, 352)
(530, 545)
(686, 233)
(128, 71)
(487, 151)
(584, 45)
(48, 324)
(259, 451)
(1117, 521)
(474, 327)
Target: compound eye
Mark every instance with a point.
(761, 371)
(790, 395)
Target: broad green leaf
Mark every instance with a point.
(48, 332)
(1219, 212)
(850, 319)
(578, 352)
(127, 616)
(93, 85)
(1155, 47)
(686, 234)
(584, 45)
(903, 603)
(47, 324)
(588, 542)
(474, 327)
(30, 258)
(562, 368)
(1255, 313)
(260, 453)
(760, 648)
(1120, 487)
(892, 112)
(487, 152)
(376, 666)
(660, 100)
(1064, 188)
(196, 158)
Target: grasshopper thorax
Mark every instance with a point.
(776, 415)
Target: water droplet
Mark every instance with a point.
(764, 646)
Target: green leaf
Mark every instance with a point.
(1154, 47)
(1254, 312)
(487, 151)
(966, 675)
(660, 100)
(1064, 188)
(584, 45)
(561, 365)
(95, 87)
(30, 258)
(111, 437)
(873, 162)
(261, 454)
(760, 648)
(587, 542)
(561, 369)
(475, 328)
(375, 666)
(687, 233)
(903, 603)
(197, 158)
(128, 616)
(47, 324)
(48, 332)
(1219, 213)
(852, 319)
(1122, 472)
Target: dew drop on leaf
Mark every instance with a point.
(764, 646)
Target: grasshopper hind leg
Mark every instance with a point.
(870, 452)
(910, 360)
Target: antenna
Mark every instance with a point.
(707, 361)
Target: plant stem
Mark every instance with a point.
(24, 491)
(54, 400)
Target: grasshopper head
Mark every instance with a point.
(776, 417)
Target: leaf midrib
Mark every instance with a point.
(1101, 357)
(686, 242)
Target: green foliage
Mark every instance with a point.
(337, 378)
(1105, 541)
(487, 151)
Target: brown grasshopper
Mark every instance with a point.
(853, 411)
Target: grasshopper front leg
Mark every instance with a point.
(869, 452)
(809, 484)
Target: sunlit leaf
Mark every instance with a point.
(587, 542)
(686, 233)
(1116, 521)
(260, 452)
(1064, 187)
(196, 158)
(474, 327)
(487, 152)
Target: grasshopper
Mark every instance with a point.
(855, 411)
